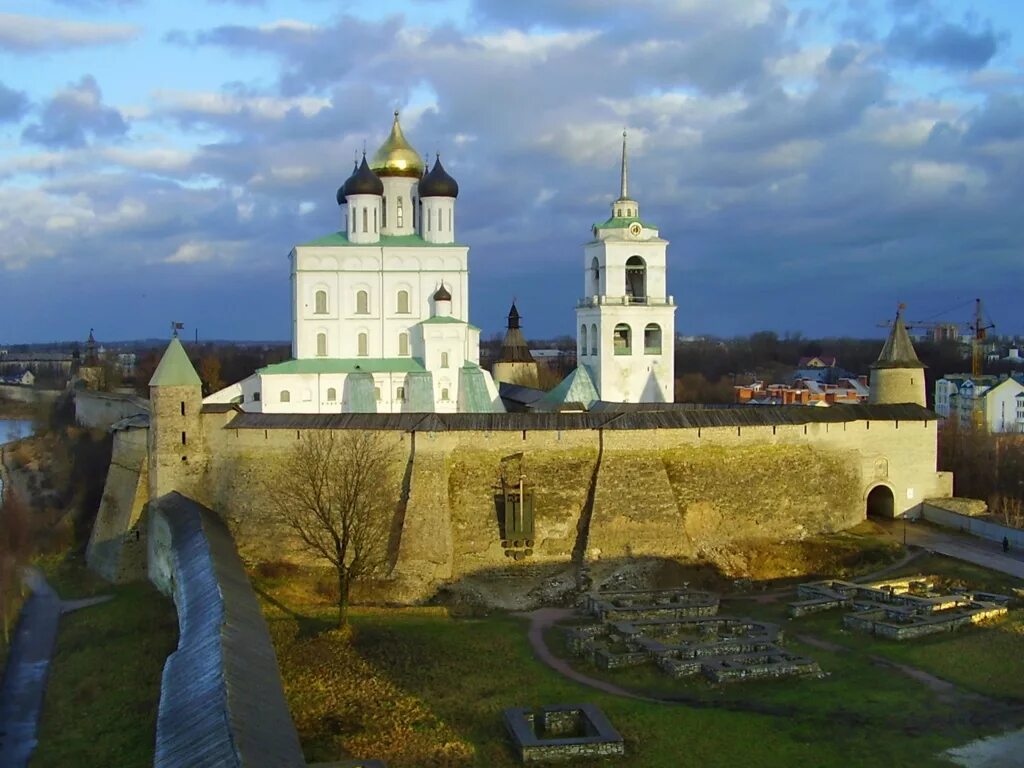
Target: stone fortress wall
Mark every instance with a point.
(598, 493)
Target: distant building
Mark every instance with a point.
(992, 404)
(515, 363)
(23, 377)
(848, 390)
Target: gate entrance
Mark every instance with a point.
(881, 502)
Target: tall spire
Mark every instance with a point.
(898, 351)
(624, 183)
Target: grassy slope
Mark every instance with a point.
(420, 688)
(104, 685)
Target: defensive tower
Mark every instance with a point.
(897, 376)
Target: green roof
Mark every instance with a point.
(621, 222)
(345, 365)
(391, 241)
(577, 387)
(175, 369)
(438, 319)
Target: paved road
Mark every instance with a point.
(21, 695)
(971, 549)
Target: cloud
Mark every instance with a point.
(1000, 119)
(74, 115)
(944, 45)
(31, 34)
(13, 104)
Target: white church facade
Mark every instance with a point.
(380, 308)
(626, 319)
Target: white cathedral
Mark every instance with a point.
(380, 308)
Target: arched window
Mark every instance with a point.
(366, 215)
(636, 279)
(430, 219)
(621, 340)
(352, 222)
(362, 303)
(444, 394)
(321, 345)
(449, 219)
(384, 213)
(595, 277)
(593, 339)
(583, 340)
(363, 342)
(403, 302)
(376, 393)
(400, 394)
(403, 344)
(286, 396)
(444, 359)
(400, 218)
(332, 394)
(652, 339)
(374, 219)
(320, 303)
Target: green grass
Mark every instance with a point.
(419, 687)
(104, 685)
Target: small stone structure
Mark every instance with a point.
(682, 634)
(562, 732)
(900, 609)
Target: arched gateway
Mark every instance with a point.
(880, 502)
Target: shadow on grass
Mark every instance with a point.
(309, 626)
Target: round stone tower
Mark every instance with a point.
(515, 365)
(177, 448)
(897, 376)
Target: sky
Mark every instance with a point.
(813, 162)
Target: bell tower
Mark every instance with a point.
(626, 320)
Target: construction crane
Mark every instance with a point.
(978, 327)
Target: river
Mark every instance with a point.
(11, 430)
(14, 429)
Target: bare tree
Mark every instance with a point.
(15, 550)
(336, 491)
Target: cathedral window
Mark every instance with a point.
(449, 219)
(352, 222)
(376, 393)
(595, 277)
(403, 302)
(384, 214)
(374, 219)
(321, 345)
(636, 279)
(444, 359)
(363, 343)
(400, 394)
(621, 340)
(444, 394)
(366, 216)
(320, 303)
(400, 217)
(583, 340)
(332, 394)
(255, 397)
(430, 219)
(593, 339)
(403, 344)
(362, 303)
(286, 396)
(652, 339)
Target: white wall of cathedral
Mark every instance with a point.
(364, 217)
(605, 266)
(326, 393)
(358, 302)
(398, 205)
(438, 224)
(630, 350)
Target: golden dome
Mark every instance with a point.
(396, 157)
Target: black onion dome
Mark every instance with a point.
(438, 183)
(340, 197)
(441, 294)
(363, 182)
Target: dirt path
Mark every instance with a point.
(543, 619)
